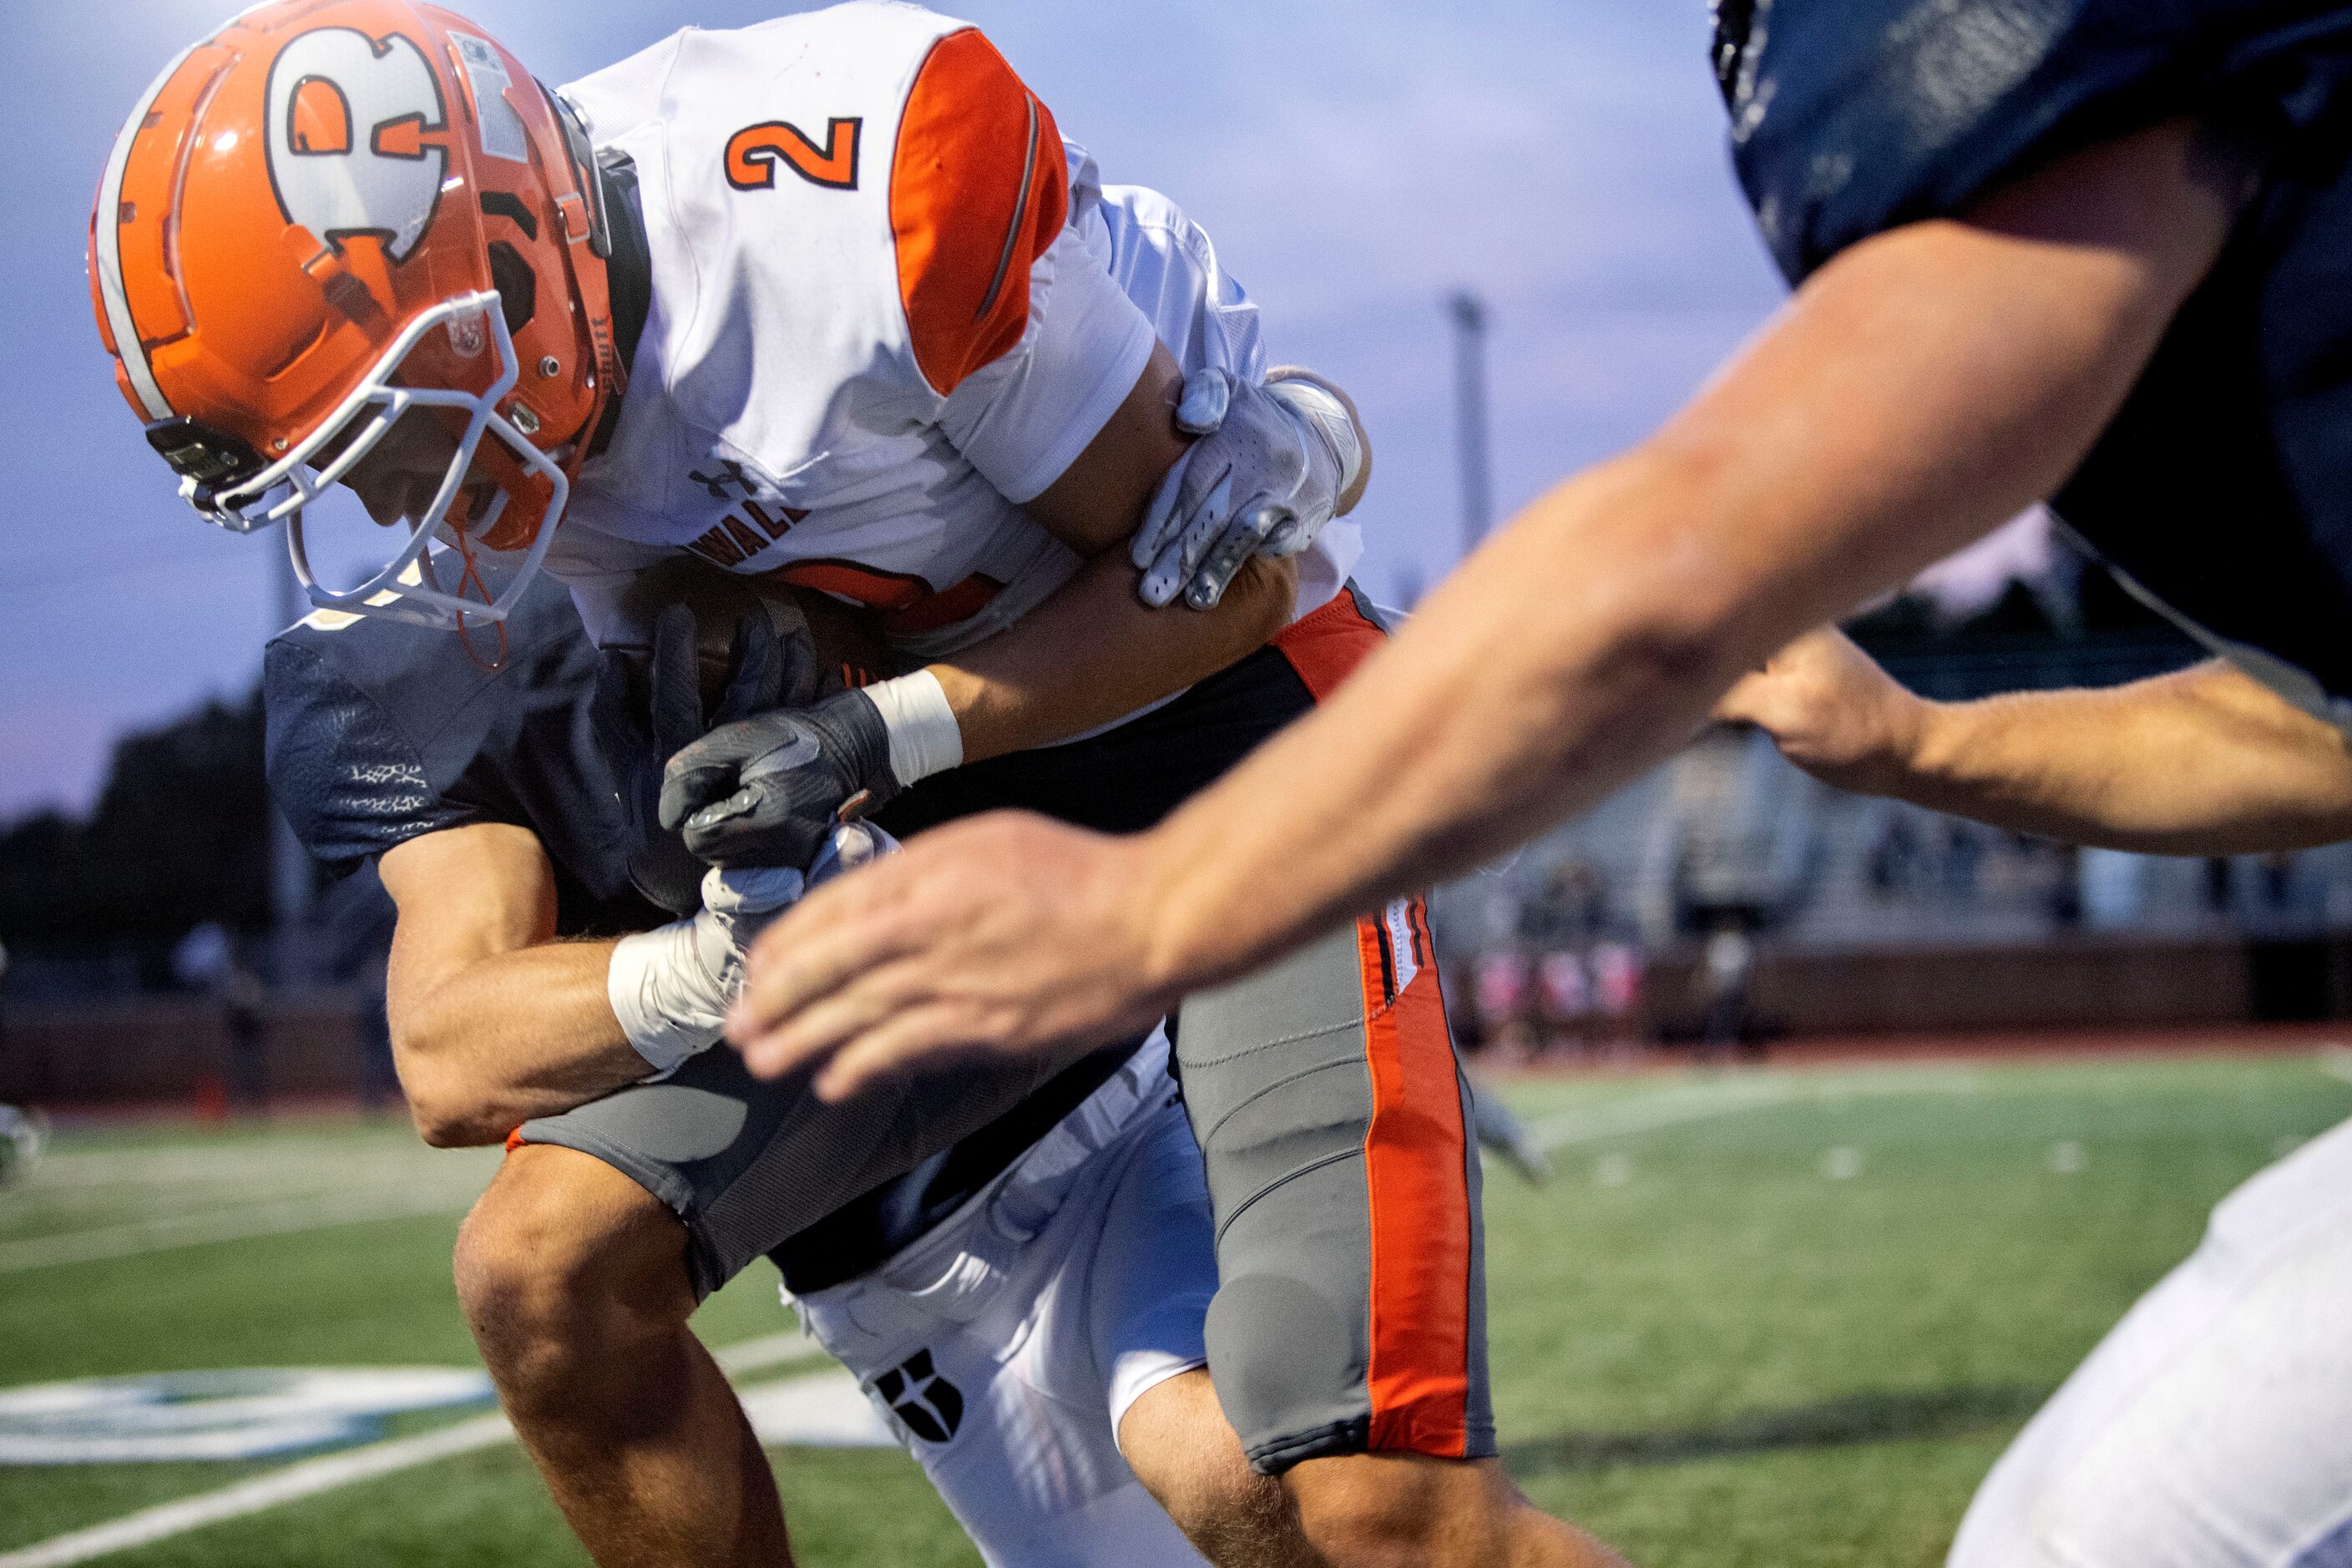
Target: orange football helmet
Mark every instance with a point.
(331, 212)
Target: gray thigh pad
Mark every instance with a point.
(1280, 1096)
(747, 1164)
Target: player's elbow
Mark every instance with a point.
(447, 1111)
(445, 1123)
(1681, 614)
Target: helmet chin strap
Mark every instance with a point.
(461, 538)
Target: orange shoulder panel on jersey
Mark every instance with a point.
(978, 190)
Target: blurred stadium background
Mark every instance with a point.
(1866, 1121)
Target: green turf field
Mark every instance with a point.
(1760, 1319)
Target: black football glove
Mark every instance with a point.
(648, 705)
(768, 790)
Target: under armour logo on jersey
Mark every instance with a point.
(931, 1407)
(753, 153)
(729, 475)
(348, 118)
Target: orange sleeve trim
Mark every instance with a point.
(978, 190)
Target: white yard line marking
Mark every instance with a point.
(1649, 1112)
(767, 1351)
(1679, 1106)
(224, 1224)
(311, 1476)
(307, 1160)
(307, 1479)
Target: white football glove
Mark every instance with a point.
(1272, 465)
(670, 987)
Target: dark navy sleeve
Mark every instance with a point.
(1851, 117)
(379, 731)
(350, 783)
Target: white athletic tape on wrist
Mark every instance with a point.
(670, 1005)
(925, 738)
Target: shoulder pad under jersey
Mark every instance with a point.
(1851, 117)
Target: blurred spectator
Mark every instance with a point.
(1726, 966)
(1502, 986)
(1896, 859)
(1617, 995)
(1963, 858)
(2278, 880)
(2217, 884)
(1563, 1001)
(208, 959)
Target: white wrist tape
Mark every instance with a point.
(924, 736)
(670, 1003)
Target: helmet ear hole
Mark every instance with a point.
(518, 287)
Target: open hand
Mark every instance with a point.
(1007, 934)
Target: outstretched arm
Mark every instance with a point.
(1918, 390)
(2201, 762)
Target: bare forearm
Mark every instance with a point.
(1922, 388)
(509, 1036)
(1093, 653)
(1525, 686)
(2203, 761)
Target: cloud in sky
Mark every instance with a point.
(1354, 159)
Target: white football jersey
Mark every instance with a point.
(890, 304)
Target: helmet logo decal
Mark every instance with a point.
(322, 118)
(347, 117)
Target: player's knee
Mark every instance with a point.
(561, 1254)
(1403, 1510)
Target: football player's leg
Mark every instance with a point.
(1148, 1286)
(574, 1278)
(2212, 1428)
(1186, 1452)
(980, 1342)
(1348, 1338)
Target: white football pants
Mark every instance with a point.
(2212, 1428)
(1004, 1344)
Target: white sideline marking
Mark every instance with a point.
(311, 1476)
(2336, 1063)
(284, 1218)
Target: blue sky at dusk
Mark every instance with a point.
(1354, 162)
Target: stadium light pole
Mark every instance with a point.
(1473, 454)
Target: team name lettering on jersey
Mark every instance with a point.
(753, 153)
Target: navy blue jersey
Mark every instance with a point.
(379, 731)
(2224, 486)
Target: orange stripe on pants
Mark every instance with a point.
(1414, 1164)
(1415, 1151)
